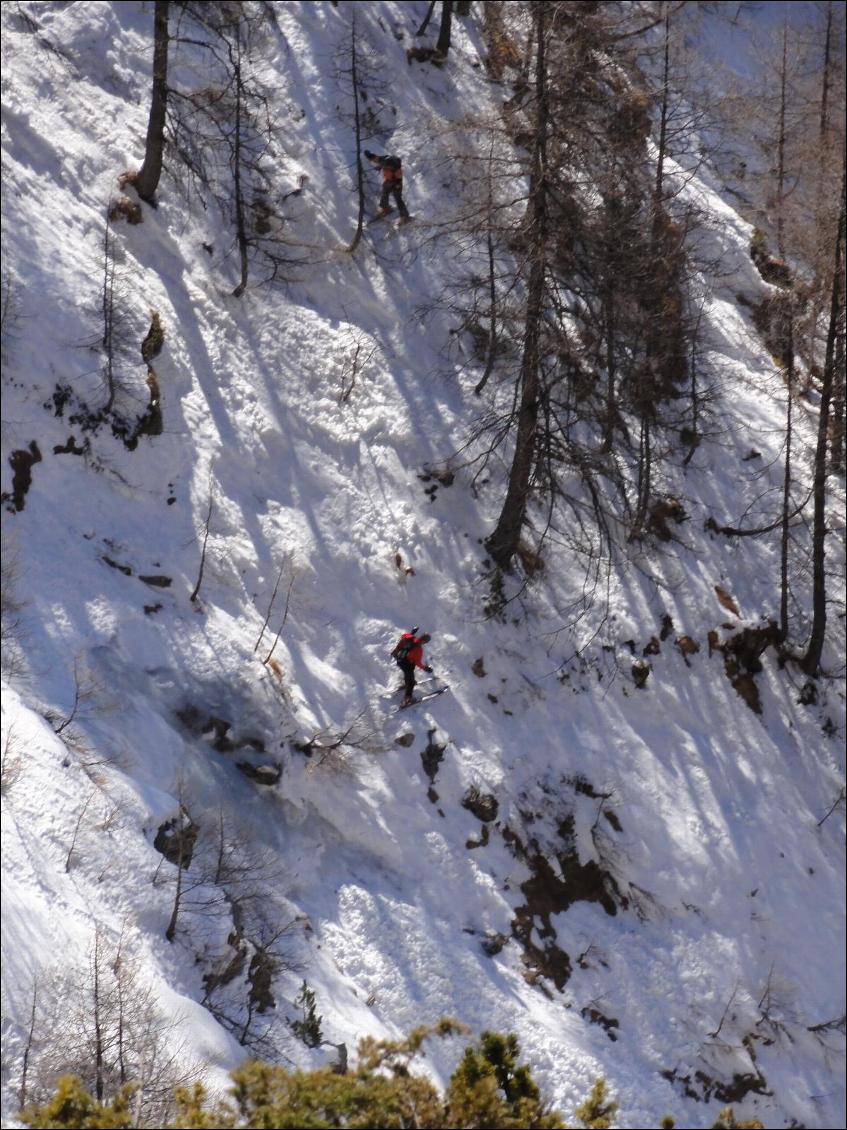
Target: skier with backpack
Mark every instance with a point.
(408, 654)
(392, 185)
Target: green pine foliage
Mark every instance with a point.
(72, 1106)
(726, 1121)
(489, 1089)
(597, 1112)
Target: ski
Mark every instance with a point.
(401, 223)
(423, 698)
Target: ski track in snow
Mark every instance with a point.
(719, 847)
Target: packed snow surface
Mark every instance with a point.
(298, 421)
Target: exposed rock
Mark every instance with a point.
(484, 806)
(664, 511)
(745, 685)
(641, 672)
(125, 209)
(547, 894)
(478, 668)
(612, 818)
(609, 1023)
(431, 757)
(261, 774)
(705, 1087)
(726, 601)
(687, 646)
(176, 838)
(653, 647)
(125, 569)
(157, 581)
(750, 644)
(405, 740)
(22, 463)
(470, 844)
(70, 448)
(808, 694)
(493, 943)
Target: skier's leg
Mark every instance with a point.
(409, 679)
(401, 204)
(384, 204)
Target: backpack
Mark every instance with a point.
(392, 166)
(401, 651)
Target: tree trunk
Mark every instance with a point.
(611, 366)
(839, 399)
(786, 480)
(812, 659)
(491, 352)
(360, 176)
(146, 180)
(97, 1005)
(780, 148)
(827, 58)
(503, 542)
(426, 18)
(238, 192)
(445, 27)
(663, 121)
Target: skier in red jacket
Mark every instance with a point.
(392, 185)
(408, 653)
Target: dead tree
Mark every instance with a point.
(445, 28)
(146, 180)
(812, 658)
(503, 542)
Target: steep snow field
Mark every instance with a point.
(721, 937)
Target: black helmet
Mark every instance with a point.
(414, 631)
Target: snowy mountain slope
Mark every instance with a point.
(724, 891)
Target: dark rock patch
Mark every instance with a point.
(547, 894)
(493, 943)
(641, 672)
(70, 448)
(125, 569)
(432, 756)
(687, 646)
(176, 838)
(261, 774)
(22, 463)
(609, 1023)
(704, 1087)
(470, 844)
(484, 806)
(664, 511)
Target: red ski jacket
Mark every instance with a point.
(414, 654)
